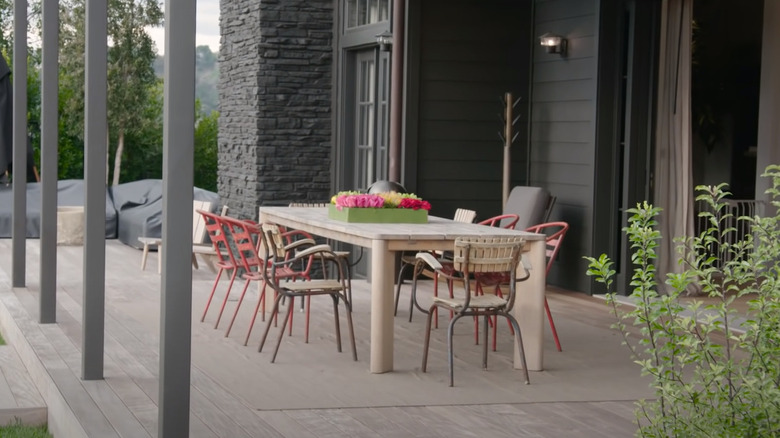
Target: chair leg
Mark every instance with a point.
(274, 309)
(485, 320)
(552, 325)
(348, 305)
(519, 341)
(450, 352)
(211, 296)
(308, 316)
(144, 256)
(254, 315)
(159, 257)
(399, 282)
(427, 339)
(238, 306)
(336, 319)
(290, 307)
(233, 276)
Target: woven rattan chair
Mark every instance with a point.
(408, 260)
(280, 257)
(472, 256)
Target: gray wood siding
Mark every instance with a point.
(563, 120)
(465, 55)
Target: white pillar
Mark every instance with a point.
(769, 101)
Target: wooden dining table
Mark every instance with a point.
(438, 234)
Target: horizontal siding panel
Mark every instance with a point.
(557, 152)
(464, 130)
(571, 174)
(485, 111)
(564, 70)
(467, 51)
(566, 132)
(550, 10)
(575, 27)
(463, 91)
(461, 190)
(464, 170)
(435, 150)
(566, 91)
(467, 72)
(566, 111)
(568, 196)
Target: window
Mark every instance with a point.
(362, 12)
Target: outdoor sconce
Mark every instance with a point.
(385, 41)
(553, 43)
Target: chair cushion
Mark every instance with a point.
(529, 204)
(486, 301)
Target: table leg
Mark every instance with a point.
(381, 307)
(529, 307)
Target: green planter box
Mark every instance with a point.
(378, 215)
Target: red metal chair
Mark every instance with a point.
(247, 237)
(226, 261)
(555, 232)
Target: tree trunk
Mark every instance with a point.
(118, 157)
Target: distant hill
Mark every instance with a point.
(206, 77)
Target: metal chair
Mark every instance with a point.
(555, 232)
(226, 260)
(408, 260)
(473, 256)
(246, 240)
(280, 258)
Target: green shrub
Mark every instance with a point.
(712, 376)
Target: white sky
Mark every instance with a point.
(206, 27)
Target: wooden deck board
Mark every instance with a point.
(312, 390)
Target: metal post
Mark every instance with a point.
(396, 92)
(19, 215)
(95, 145)
(178, 159)
(49, 91)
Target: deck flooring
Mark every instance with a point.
(312, 390)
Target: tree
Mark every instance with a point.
(131, 78)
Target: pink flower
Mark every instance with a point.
(359, 201)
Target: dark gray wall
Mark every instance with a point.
(275, 103)
(563, 120)
(464, 55)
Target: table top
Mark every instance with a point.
(315, 220)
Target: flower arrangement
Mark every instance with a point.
(352, 199)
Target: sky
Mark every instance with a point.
(206, 27)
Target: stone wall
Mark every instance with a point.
(275, 103)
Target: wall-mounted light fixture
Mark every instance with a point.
(554, 43)
(385, 41)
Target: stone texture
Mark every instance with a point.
(275, 103)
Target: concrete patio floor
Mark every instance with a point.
(311, 390)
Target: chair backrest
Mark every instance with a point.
(464, 215)
(487, 254)
(555, 232)
(308, 204)
(274, 241)
(507, 221)
(218, 236)
(244, 234)
(530, 204)
(198, 225)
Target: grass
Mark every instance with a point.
(22, 431)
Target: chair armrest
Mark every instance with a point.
(298, 243)
(430, 260)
